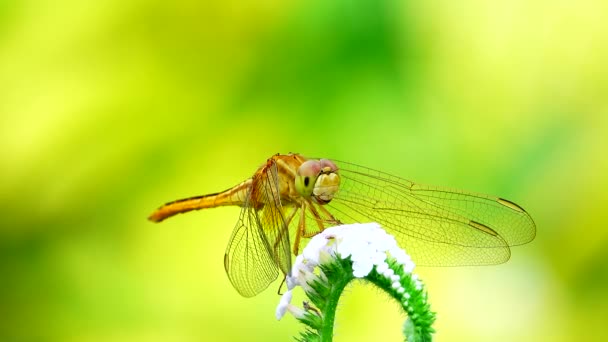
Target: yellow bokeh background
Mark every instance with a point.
(110, 108)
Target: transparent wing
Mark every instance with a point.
(260, 242)
(273, 221)
(437, 226)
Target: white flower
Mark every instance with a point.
(283, 304)
(381, 267)
(350, 247)
(388, 273)
(378, 257)
(408, 267)
(361, 268)
(306, 278)
(312, 250)
(367, 245)
(291, 282)
(325, 256)
(297, 312)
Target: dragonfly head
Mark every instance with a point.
(318, 179)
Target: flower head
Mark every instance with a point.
(335, 257)
(283, 304)
(367, 245)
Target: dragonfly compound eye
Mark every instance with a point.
(306, 177)
(328, 166)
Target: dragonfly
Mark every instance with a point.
(292, 198)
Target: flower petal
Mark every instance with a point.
(283, 304)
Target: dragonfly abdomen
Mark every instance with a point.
(233, 196)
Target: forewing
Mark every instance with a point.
(437, 226)
(272, 219)
(257, 245)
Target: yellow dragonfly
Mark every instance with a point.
(292, 197)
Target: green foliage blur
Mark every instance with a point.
(109, 109)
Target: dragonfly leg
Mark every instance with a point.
(326, 218)
(291, 216)
(300, 230)
(286, 230)
(330, 218)
(318, 219)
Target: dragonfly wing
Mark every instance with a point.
(260, 241)
(248, 264)
(437, 226)
(272, 218)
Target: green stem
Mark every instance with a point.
(325, 292)
(329, 311)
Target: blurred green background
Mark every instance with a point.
(111, 108)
